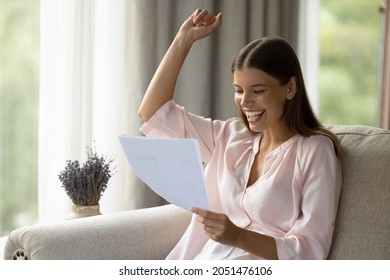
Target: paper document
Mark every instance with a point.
(171, 167)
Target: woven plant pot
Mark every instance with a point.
(80, 211)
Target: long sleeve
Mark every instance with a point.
(311, 236)
(172, 121)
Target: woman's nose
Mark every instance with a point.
(246, 98)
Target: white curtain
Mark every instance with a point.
(81, 92)
(97, 58)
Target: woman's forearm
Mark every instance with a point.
(257, 244)
(219, 228)
(162, 86)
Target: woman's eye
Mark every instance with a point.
(258, 91)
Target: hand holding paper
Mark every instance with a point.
(171, 167)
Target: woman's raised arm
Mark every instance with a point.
(161, 89)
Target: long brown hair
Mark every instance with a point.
(277, 58)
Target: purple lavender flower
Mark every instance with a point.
(86, 184)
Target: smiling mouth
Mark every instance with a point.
(254, 115)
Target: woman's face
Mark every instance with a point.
(261, 98)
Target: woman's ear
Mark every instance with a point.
(291, 88)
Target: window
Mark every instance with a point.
(19, 77)
(350, 54)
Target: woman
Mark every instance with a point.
(273, 175)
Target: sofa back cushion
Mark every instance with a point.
(362, 228)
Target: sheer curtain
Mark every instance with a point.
(81, 92)
(97, 58)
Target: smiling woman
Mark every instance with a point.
(19, 75)
(261, 97)
(273, 64)
(272, 177)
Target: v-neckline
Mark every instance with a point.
(270, 154)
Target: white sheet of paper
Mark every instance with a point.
(171, 167)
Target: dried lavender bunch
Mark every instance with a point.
(85, 184)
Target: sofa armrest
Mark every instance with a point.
(141, 234)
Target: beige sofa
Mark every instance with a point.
(362, 227)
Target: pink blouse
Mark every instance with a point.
(295, 200)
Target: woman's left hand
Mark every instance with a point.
(218, 227)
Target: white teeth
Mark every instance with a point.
(252, 114)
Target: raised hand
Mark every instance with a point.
(201, 24)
